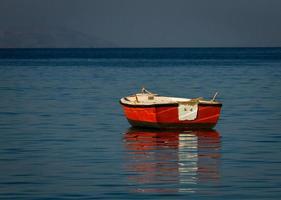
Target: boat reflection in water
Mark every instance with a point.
(172, 161)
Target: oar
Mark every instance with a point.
(213, 99)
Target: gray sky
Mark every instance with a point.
(148, 23)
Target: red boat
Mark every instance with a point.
(147, 109)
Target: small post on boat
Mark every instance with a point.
(214, 97)
(137, 99)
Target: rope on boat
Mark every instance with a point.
(191, 102)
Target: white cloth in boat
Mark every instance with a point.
(187, 110)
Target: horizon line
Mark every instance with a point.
(235, 47)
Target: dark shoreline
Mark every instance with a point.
(143, 53)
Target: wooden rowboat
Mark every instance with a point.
(150, 110)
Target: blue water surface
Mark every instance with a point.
(63, 134)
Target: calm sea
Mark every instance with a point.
(63, 134)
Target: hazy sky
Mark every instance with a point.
(152, 23)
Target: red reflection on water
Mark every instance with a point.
(172, 160)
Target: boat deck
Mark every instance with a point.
(149, 99)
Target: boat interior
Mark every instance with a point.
(149, 98)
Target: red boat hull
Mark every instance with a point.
(166, 116)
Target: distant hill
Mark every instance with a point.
(50, 38)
